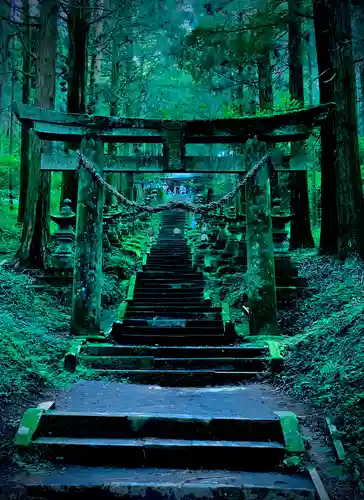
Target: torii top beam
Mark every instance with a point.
(279, 127)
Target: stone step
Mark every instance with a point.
(120, 328)
(164, 484)
(184, 314)
(152, 452)
(189, 323)
(187, 279)
(157, 299)
(158, 271)
(168, 261)
(175, 294)
(170, 248)
(169, 269)
(168, 286)
(170, 309)
(159, 278)
(170, 264)
(156, 363)
(242, 351)
(179, 378)
(170, 340)
(58, 424)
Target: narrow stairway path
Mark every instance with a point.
(170, 335)
(104, 439)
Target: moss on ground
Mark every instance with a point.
(33, 340)
(325, 349)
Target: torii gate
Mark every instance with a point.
(93, 131)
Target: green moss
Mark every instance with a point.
(324, 359)
(33, 338)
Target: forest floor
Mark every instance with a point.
(323, 355)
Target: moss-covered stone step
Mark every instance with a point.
(54, 423)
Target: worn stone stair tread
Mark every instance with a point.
(187, 351)
(176, 309)
(168, 364)
(170, 331)
(173, 293)
(163, 484)
(174, 314)
(157, 443)
(126, 338)
(170, 427)
(178, 378)
(189, 322)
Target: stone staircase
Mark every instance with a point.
(104, 439)
(169, 334)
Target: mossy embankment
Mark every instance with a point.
(34, 338)
(324, 352)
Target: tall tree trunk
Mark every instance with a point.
(361, 98)
(35, 233)
(4, 67)
(265, 81)
(342, 197)
(78, 27)
(113, 179)
(95, 66)
(12, 121)
(301, 236)
(309, 40)
(24, 154)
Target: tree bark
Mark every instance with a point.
(78, 27)
(361, 97)
(4, 67)
(95, 66)
(265, 81)
(113, 179)
(342, 197)
(301, 236)
(24, 154)
(32, 251)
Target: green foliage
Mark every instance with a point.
(111, 291)
(33, 339)
(325, 359)
(124, 261)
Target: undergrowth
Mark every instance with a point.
(33, 339)
(324, 352)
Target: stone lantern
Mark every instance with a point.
(63, 254)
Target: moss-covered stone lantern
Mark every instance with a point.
(62, 255)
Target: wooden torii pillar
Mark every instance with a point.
(87, 270)
(262, 296)
(93, 131)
